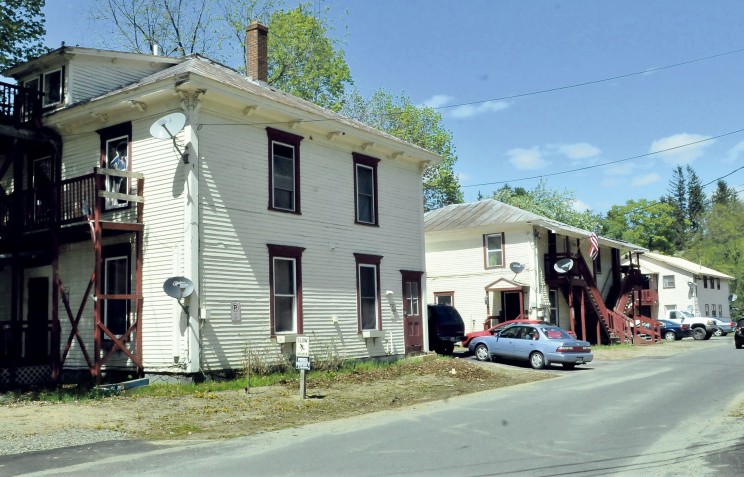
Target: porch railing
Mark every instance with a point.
(19, 105)
(35, 208)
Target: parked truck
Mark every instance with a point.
(702, 327)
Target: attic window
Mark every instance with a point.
(52, 84)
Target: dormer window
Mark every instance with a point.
(51, 84)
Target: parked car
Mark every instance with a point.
(445, 328)
(672, 331)
(724, 327)
(739, 334)
(495, 329)
(540, 344)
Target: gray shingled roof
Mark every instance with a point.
(492, 212)
(204, 67)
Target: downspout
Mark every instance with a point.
(191, 104)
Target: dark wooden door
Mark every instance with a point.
(512, 307)
(413, 334)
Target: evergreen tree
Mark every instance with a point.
(724, 194)
(677, 198)
(696, 201)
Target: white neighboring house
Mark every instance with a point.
(289, 220)
(685, 285)
(495, 261)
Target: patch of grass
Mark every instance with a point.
(611, 347)
(64, 394)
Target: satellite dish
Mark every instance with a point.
(178, 287)
(563, 265)
(168, 126)
(516, 267)
(732, 297)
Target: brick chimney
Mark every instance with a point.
(256, 56)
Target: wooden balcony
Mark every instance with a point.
(649, 297)
(36, 209)
(19, 106)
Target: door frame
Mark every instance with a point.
(413, 324)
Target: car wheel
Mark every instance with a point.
(718, 332)
(569, 365)
(481, 353)
(670, 336)
(708, 335)
(699, 333)
(738, 344)
(448, 348)
(722, 333)
(537, 360)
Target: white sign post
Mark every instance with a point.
(302, 354)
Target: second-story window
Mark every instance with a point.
(493, 245)
(284, 171)
(52, 87)
(365, 189)
(116, 156)
(668, 281)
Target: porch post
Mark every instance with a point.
(571, 312)
(583, 315)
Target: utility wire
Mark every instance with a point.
(586, 83)
(594, 166)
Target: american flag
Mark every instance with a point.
(593, 245)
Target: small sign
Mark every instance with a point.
(235, 312)
(302, 347)
(303, 363)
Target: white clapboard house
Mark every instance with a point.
(172, 216)
(494, 262)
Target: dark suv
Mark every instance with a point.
(445, 328)
(739, 334)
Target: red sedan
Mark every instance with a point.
(495, 329)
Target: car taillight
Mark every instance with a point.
(683, 327)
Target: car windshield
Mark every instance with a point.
(555, 333)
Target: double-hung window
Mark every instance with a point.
(285, 278)
(284, 171)
(52, 84)
(493, 249)
(116, 281)
(668, 281)
(365, 189)
(368, 292)
(116, 146)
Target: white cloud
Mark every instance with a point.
(470, 110)
(579, 150)
(580, 205)
(735, 152)
(680, 155)
(437, 101)
(645, 180)
(530, 158)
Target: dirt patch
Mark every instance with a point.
(214, 415)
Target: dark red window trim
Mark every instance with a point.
(123, 129)
(372, 163)
(290, 140)
(285, 251)
(364, 259)
(503, 251)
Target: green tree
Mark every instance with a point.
(550, 203)
(21, 31)
(696, 201)
(721, 245)
(677, 198)
(723, 194)
(303, 59)
(421, 126)
(642, 222)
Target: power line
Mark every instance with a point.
(594, 166)
(587, 83)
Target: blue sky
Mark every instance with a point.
(445, 53)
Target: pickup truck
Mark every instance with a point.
(702, 327)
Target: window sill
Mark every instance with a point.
(286, 338)
(367, 334)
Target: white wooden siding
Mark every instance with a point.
(236, 226)
(91, 77)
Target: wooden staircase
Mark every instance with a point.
(618, 326)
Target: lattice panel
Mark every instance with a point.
(28, 375)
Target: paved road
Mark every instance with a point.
(660, 416)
